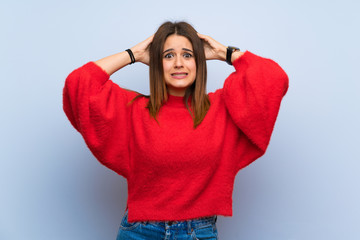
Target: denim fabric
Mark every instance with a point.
(202, 228)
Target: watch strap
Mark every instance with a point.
(229, 51)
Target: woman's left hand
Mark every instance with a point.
(213, 49)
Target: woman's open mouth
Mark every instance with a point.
(179, 75)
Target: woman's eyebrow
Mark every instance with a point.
(186, 49)
(168, 50)
(171, 49)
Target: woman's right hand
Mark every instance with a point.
(141, 51)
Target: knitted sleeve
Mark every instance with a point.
(99, 110)
(252, 96)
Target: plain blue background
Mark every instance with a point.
(305, 187)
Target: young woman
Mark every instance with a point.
(179, 148)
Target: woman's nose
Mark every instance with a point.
(178, 62)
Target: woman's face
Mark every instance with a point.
(179, 64)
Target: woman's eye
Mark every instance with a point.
(187, 55)
(169, 55)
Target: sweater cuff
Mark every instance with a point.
(246, 57)
(96, 72)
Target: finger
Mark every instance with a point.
(208, 40)
(148, 41)
(202, 36)
(151, 38)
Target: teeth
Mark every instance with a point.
(179, 74)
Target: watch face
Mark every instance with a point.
(233, 48)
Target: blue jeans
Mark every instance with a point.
(202, 228)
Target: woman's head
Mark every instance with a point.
(178, 67)
(157, 57)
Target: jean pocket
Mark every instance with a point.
(125, 225)
(208, 231)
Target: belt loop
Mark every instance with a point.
(189, 226)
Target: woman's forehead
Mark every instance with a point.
(177, 42)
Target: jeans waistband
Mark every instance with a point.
(193, 221)
(184, 224)
(187, 225)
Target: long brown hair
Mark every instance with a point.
(158, 92)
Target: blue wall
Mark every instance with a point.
(305, 187)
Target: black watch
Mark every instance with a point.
(229, 51)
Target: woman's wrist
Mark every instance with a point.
(235, 55)
(136, 54)
(131, 55)
(222, 53)
(140, 55)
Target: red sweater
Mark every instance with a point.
(176, 172)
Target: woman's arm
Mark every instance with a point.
(117, 61)
(252, 95)
(99, 110)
